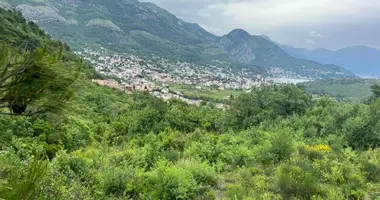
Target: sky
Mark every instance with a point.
(331, 24)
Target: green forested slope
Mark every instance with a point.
(124, 26)
(352, 89)
(18, 33)
(272, 143)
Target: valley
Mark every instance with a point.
(150, 49)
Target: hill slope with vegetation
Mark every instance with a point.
(124, 26)
(350, 89)
(272, 143)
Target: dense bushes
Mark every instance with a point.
(151, 149)
(120, 146)
(268, 103)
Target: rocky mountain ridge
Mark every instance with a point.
(260, 51)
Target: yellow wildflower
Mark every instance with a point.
(318, 148)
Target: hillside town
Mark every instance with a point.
(155, 75)
(150, 72)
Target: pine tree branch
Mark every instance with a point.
(18, 71)
(25, 115)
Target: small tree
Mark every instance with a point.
(266, 103)
(375, 93)
(35, 82)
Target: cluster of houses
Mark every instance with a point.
(124, 86)
(155, 74)
(132, 69)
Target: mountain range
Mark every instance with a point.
(145, 29)
(361, 60)
(260, 51)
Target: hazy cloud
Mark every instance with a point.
(308, 41)
(286, 21)
(316, 34)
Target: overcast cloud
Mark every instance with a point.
(303, 23)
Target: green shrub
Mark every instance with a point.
(202, 172)
(169, 182)
(297, 179)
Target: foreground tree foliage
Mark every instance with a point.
(35, 80)
(271, 143)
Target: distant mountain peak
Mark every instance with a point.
(239, 33)
(266, 37)
(260, 50)
(359, 47)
